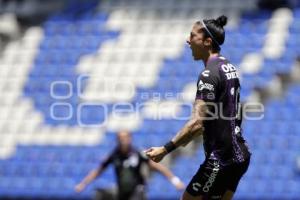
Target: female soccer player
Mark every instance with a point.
(215, 116)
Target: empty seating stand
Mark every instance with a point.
(42, 156)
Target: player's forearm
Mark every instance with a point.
(91, 177)
(162, 169)
(194, 127)
(166, 172)
(191, 129)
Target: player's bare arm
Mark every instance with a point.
(168, 174)
(193, 128)
(92, 175)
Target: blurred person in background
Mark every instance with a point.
(128, 164)
(215, 116)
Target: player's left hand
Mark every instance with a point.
(180, 186)
(156, 153)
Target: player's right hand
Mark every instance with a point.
(156, 153)
(79, 187)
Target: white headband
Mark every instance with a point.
(212, 37)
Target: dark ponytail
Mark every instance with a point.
(215, 30)
(221, 21)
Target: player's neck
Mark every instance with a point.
(210, 56)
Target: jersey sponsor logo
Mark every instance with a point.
(209, 96)
(230, 71)
(132, 161)
(212, 177)
(196, 186)
(237, 130)
(205, 73)
(202, 86)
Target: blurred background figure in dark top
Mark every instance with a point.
(128, 163)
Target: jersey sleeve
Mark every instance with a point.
(107, 161)
(143, 157)
(207, 85)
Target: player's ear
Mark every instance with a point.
(207, 42)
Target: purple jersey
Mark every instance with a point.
(218, 85)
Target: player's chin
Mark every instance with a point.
(196, 57)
